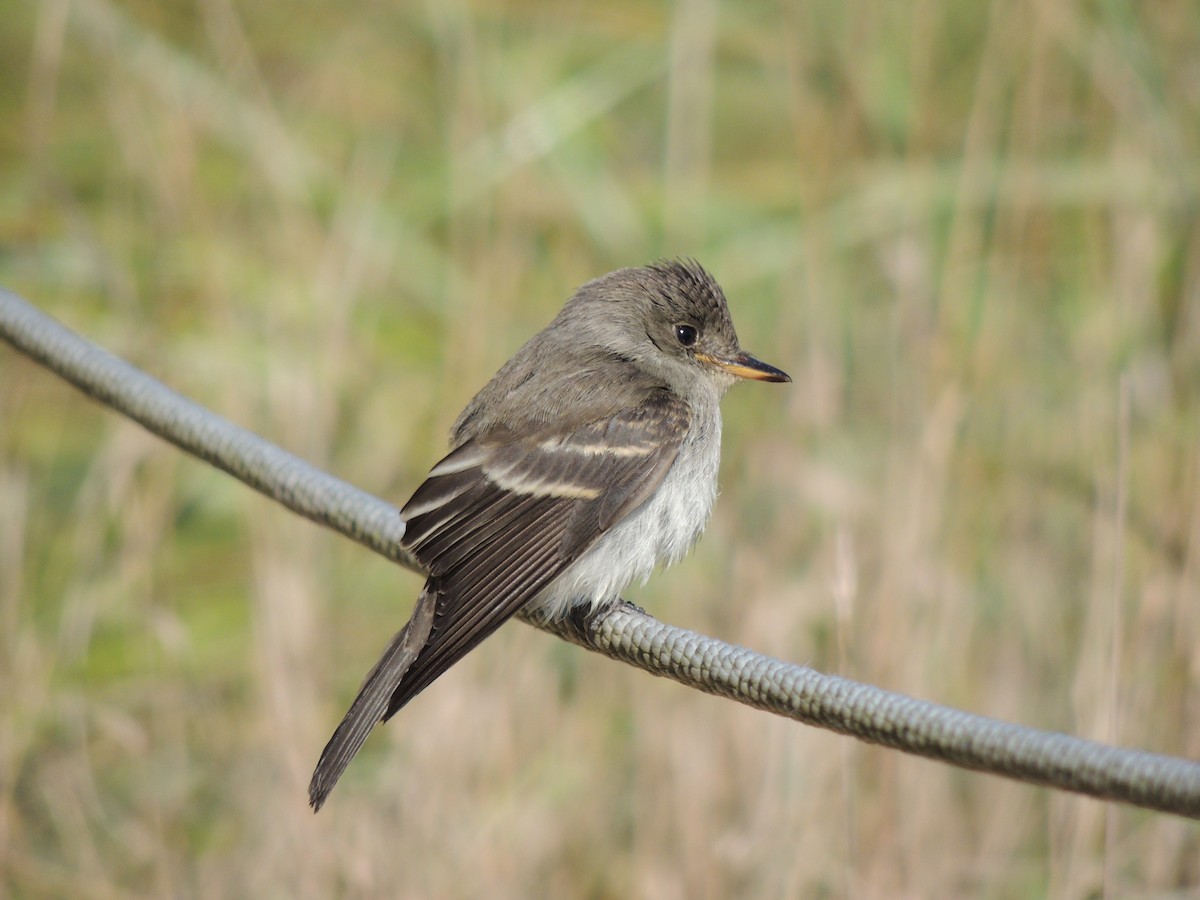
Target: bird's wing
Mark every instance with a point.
(495, 522)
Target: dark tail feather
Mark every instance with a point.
(372, 700)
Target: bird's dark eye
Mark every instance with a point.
(686, 335)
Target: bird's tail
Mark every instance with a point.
(372, 700)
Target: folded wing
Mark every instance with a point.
(495, 522)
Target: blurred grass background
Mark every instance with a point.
(971, 232)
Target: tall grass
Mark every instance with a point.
(970, 231)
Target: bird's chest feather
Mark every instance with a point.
(674, 517)
(660, 531)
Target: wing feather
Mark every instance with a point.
(555, 489)
(496, 521)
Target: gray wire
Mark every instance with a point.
(624, 632)
(627, 633)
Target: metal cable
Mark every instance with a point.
(624, 632)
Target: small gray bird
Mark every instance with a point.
(587, 460)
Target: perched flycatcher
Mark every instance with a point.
(589, 458)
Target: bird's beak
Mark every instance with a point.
(743, 365)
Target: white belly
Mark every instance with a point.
(661, 530)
